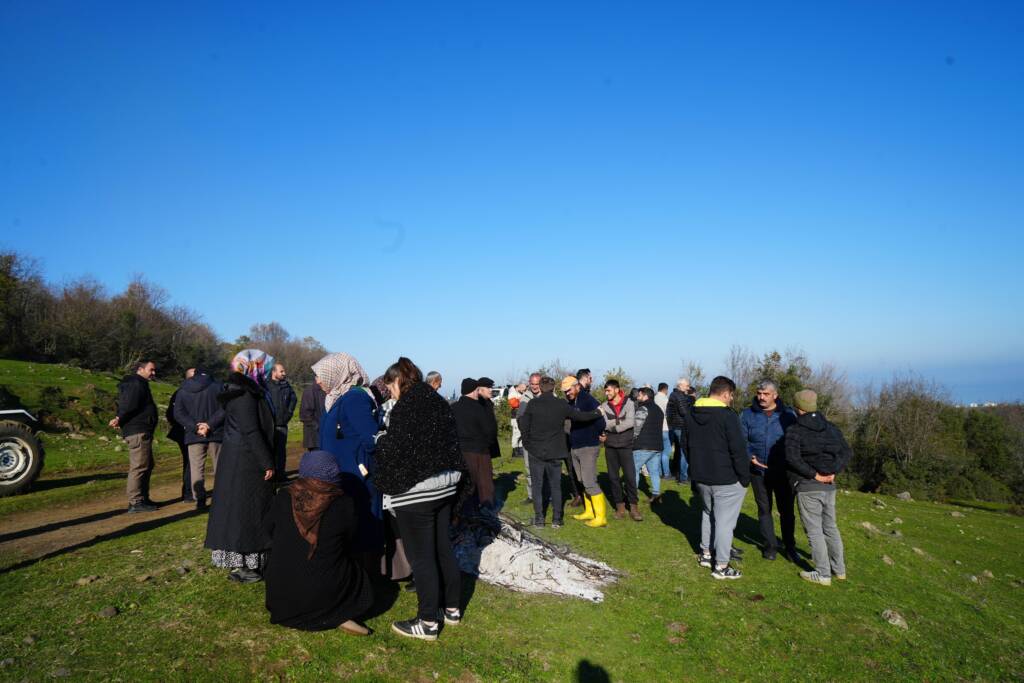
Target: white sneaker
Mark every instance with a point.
(815, 577)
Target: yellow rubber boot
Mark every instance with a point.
(600, 506)
(588, 509)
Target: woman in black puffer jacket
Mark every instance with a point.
(419, 466)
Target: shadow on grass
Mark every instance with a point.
(586, 672)
(87, 519)
(136, 528)
(681, 515)
(50, 484)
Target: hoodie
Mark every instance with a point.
(195, 402)
(715, 444)
(814, 446)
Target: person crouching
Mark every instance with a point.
(313, 584)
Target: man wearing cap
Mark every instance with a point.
(815, 453)
(764, 425)
(585, 444)
(478, 433)
(543, 429)
(647, 441)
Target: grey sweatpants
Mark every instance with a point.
(818, 513)
(718, 517)
(584, 461)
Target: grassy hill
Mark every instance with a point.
(956, 574)
(75, 406)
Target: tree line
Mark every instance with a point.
(81, 324)
(906, 434)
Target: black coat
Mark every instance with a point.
(176, 433)
(542, 425)
(647, 434)
(241, 497)
(318, 593)
(136, 410)
(311, 410)
(422, 441)
(195, 402)
(716, 447)
(477, 425)
(814, 446)
(679, 404)
(283, 397)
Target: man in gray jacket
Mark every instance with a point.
(619, 414)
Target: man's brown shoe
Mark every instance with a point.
(634, 512)
(620, 510)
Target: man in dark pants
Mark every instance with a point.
(478, 431)
(764, 425)
(177, 434)
(619, 414)
(543, 428)
(137, 418)
(680, 401)
(310, 411)
(282, 396)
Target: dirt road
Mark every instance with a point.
(29, 536)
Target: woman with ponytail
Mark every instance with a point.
(419, 466)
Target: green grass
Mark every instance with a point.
(665, 620)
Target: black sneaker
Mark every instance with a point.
(725, 572)
(704, 560)
(452, 616)
(556, 524)
(769, 553)
(417, 628)
(141, 507)
(245, 576)
(537, 521)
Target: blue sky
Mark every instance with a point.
(487, 187)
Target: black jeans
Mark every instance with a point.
(774, 483)
(186, 472)
(424, 531)
(551, 470)
(624, 487)
(280, 452)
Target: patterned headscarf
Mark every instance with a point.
(338, 372)
(254, 364)
(312, 493)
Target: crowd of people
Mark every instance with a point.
(389, 466)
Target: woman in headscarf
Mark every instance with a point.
(347, 431)
(420, 466)
(245, 467)
(313, 584)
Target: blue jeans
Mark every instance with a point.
(666, 454)
(653, 461)
(684, 468)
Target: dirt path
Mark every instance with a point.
(26, 537)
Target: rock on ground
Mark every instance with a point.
(895, 618)
(904, 495)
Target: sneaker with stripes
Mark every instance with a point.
(452, 615)
(417, 628)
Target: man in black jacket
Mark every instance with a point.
(815, 452)
(137, 418)
(478, 433)
(543, 429)
(201, 416)
(177, 434)
(647, 442)
(720, 470)
(680, 401)
(282, 396)
(311, 410)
